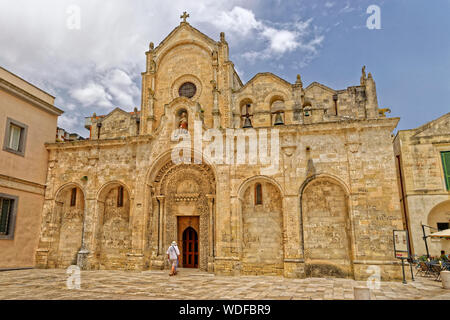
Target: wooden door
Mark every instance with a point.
(190, 248)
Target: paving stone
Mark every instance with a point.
(196, 285)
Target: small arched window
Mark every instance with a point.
(258, 194)
(246, 107)
(120, 197)
(277, 109)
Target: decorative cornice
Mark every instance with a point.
(24, 95)
(21, 185)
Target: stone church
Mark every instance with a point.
(117, 200)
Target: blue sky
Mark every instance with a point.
(97, 68)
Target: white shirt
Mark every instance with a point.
(173, 252)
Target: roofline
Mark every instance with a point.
(264, 74)
(45, 92)
(160, 45)
(428, 124)
(30, 98)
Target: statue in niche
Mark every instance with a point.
(183, 124)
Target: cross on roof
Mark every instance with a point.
(184, 16)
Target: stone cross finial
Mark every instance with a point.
(184, 16)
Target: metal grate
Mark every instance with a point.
(187, 90)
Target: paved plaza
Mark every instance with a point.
(193, 284)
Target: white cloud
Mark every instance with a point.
(238, 20)
(68, 122)
(93, 94)
(98, 67)
(281, 38)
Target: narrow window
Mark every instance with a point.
(5, 213)
(258, 194)
(73, 197)
(446, 165)
(120, 197)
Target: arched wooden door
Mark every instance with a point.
(190, 248)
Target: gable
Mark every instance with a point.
(266, 77)
(318, 88)
(438, 127)
(184, 34)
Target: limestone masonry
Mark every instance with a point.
(117, 200)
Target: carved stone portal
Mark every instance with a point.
(185, 189)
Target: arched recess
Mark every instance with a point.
(439, 218)
(327, 231)
(68, 217)
(262, 248)
(180, 195)
(113, 232)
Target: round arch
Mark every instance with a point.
(165, 158)
(244, 185)
(68, 185)
(105, 188)
(325, 176)
(276, 95)
(440, 213)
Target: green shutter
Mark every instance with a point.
(5, 205)
(446, 166)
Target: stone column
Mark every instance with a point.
(46, 235)
(135, 258)
(211, 232)
(161, 215)
(86, 256)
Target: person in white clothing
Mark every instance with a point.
(173, 254)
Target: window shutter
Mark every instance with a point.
(446, 166)
(5, 207)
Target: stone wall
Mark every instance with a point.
(262, 232)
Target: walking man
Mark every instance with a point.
(173, 254)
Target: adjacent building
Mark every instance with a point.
(28, 120)
(423, 171)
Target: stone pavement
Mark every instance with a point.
(193, 284)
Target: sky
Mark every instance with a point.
(89, 54)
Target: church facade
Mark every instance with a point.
(325, 206)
